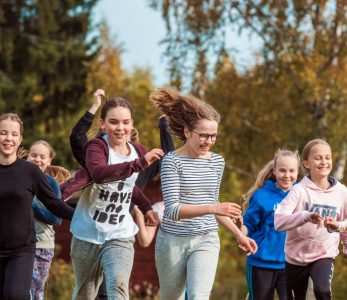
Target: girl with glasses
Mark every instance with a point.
(187, 245)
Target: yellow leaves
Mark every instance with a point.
(37, 98)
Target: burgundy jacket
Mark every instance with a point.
(97, 170)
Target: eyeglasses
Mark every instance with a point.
(203, 137)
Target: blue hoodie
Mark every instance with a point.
(259, 220)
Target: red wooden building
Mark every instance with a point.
(144, 275)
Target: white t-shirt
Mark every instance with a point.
(102, 212)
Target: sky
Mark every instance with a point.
(140, 29)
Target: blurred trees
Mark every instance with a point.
(51, 63)
(44, 47)
(107, 72)
(52, 59)
(297, 89)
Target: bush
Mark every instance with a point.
(61, 280)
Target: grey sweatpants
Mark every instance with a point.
(114, 258)
(186, 262)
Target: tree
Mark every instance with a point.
(44, 48)
(296, 91)
(107, 72)
(301, 70)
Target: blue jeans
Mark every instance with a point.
(186, 261)
(114, 258)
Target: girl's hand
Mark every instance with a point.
(228, 209)
(152, 218)
(247, 244)
(96, 101)
(97, 97)
(316, 218)
(154, 155)
(137, 214)
(238, 222)
(330, 223)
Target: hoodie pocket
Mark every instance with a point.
(304, 250)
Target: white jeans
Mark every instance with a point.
(186, 262)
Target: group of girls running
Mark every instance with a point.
(297, 226)
(112, 209)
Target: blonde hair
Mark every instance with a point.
(134, 136)
(306, 151)
(60, 174)
(15, 118)
(266, 173)
(183, 111)
(52, 152)
(22, 152)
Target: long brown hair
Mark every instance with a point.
(59, 173)
(115, 102)
(183, 111)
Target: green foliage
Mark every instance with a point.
(139, 87)
(49, 70)
(230, 280)
(60, 281)
(295, 92)
(339, 285)
(108, 73)
(44, 47)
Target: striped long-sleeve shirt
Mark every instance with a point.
(193, 181)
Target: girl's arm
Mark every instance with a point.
(339, 225)
(138, 198)
(253, 215)
(166, 144)
(41, 213)
(101, 172)
(78, 137)
(245, 243)
(174, 210)
(285, 219)
(146, 234)
(228, 209)
(166, 141)
(332, 225)
(44, 191)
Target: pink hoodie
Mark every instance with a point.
(305, 243)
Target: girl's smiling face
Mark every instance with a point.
(117, 125)
(286, 172)
(40, 155)
(319, 161)
(202, 138)
(10, 138)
